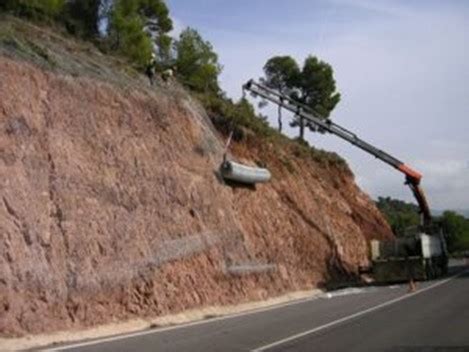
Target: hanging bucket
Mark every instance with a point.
(244, 174)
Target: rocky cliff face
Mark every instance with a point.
(111, 208)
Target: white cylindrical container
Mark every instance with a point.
(244, 174)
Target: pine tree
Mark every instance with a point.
(281, 73)
(196, 62)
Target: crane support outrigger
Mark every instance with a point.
(413, 178)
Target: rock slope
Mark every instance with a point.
(111, 208)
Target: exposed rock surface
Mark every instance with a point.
(111, 208)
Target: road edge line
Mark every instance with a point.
(178, 326)
(355, 315)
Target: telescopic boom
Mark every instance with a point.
(413, 177)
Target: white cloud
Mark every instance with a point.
(380, 6)
(443, 168)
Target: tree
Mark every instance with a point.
(281, 72)
(456, 228)
(139, 27)
(36, 9)
(82, 17)
(400, 215)
(127, 34)
(196, 62)
(316, 88)
(158, 25)
(313, 86)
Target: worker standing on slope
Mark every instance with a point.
(151, 69)
(168, 74)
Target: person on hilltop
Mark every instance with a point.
(151, 69)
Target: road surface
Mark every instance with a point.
(434, 318)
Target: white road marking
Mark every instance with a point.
(353, 316)
(180, 326)
(348, 291)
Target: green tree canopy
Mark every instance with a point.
(196, 62)
(312, 85)
(316, 88)
(158, 24)
(36, 9)
(456, 228)
(138, 27)
(400, 215)
(82, 17)
(281, 73)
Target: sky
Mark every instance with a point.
(402, 68)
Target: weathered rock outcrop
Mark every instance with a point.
(111, 208)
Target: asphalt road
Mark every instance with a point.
(435, 318)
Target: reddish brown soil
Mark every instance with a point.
(111, 208)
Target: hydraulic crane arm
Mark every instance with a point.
(413, 177)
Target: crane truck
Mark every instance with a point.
(422, 255)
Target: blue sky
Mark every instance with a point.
(402, 68)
